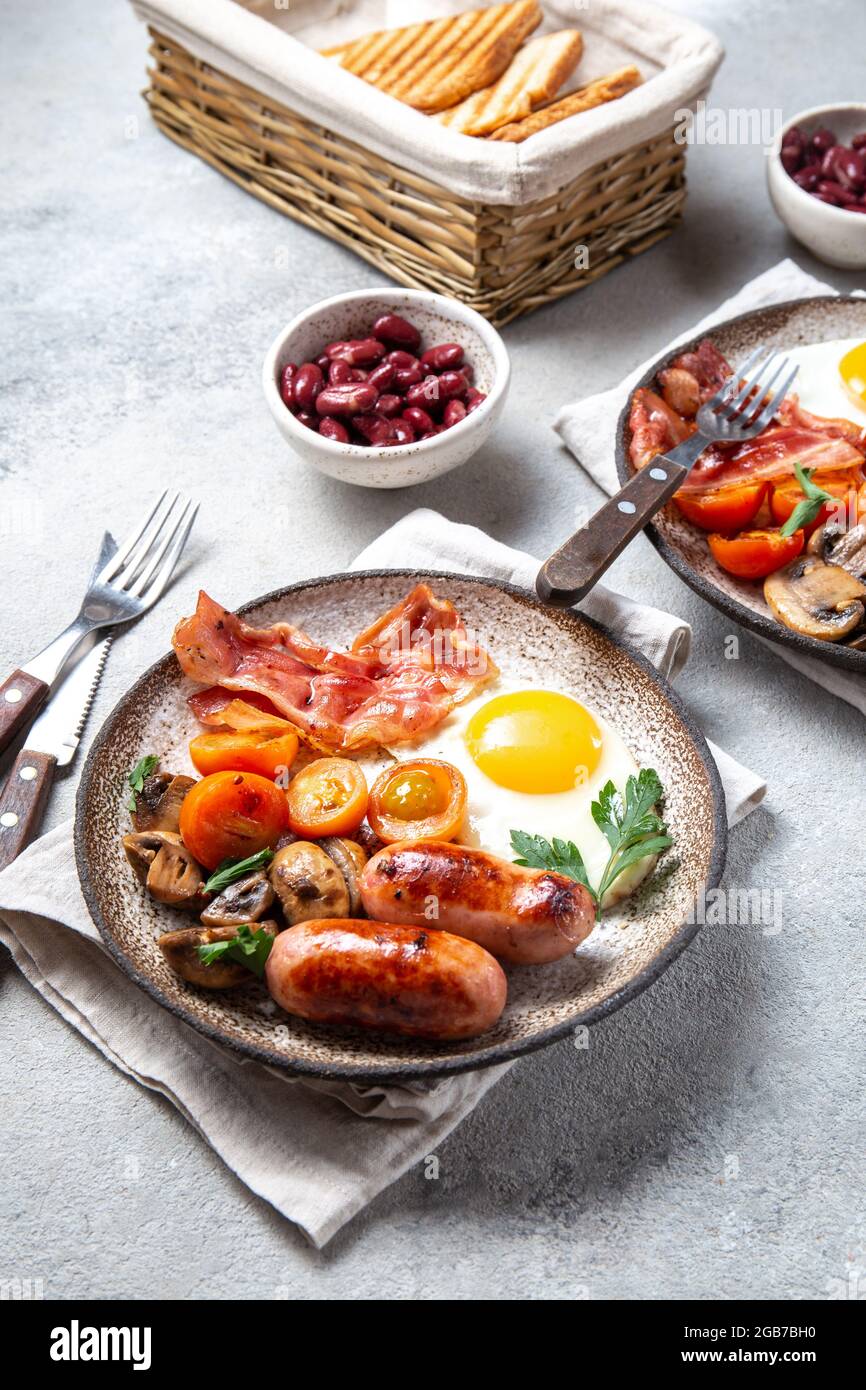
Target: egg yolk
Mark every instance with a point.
(852, 370)
(534, 741)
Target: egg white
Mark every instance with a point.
(818, 383)
(494, 811)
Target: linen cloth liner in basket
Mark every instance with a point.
(676, 57)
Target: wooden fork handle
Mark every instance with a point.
(577, 566)
(22, 802)
(21, 698)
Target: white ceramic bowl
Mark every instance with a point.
(440, 320)
(832, 234)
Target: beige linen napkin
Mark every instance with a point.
(318, 1152)
(589, 426)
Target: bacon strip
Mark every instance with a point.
(402, 676)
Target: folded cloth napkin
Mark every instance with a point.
(588, 426)
(309, 1148)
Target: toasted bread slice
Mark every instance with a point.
(608, 88)
(532, 78)
(435, 65)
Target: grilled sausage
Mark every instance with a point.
(524, 916)
(397, 979)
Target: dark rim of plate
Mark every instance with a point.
(483, 1056)
(832, 653)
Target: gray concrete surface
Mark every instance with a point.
(709, 1143)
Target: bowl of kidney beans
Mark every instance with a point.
(816, 175)
(386, 388)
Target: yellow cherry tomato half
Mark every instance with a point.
(231, 815)
(424, 799)
(327, 797)
(264, 752)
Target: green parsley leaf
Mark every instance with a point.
(630, 824)
(814, 498)
(136, 779)
(232, 869)
(561, 857)
(247, 947)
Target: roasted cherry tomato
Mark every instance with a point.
(755, 554)
(729, 509)
(263, 752)
(231, 815)
(424, 799)
(327, 797)
(786, 496)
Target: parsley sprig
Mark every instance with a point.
(814, 498)
(137, 778)
(249, 946)
(630, 824)
(230, 870)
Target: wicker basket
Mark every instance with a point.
(501, 260)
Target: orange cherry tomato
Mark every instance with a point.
(423, 799)
(755, 554)
(327, 797)
(231, 815)
(786, 496)
(262, 751)
(729, 509)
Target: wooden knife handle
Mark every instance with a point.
(577, 566)
(21, 698)
(22, 802)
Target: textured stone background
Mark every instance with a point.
(142, 291)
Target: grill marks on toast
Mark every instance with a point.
(533, 77)
(609, 88)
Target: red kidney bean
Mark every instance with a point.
(355, 398)
(795, 136)
(826, 198)
(822, 140)
(828, 160)
(791, 157)
(287, 378)
(455, 411)
(305, 418)
(308, 383)
(833, 190)
(451, 385)
(375, 429)
(389, 405)
(405, 377)
(382, 377)
(358, 352)
(859, 141)
(403, 361)
(323, 363)
(474, 399)
(390, 328)
(808, 176)
(442, 358)
(850, 169)
(340, 373)
(425, 395)
(469, 372)
(403, 432)
(420, 421)
(330, 428)
(431, 434)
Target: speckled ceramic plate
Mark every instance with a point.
(684, 547)
(529, 642)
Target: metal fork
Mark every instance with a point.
(126, 581)
(738, 411)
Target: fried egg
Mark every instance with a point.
(533, 760)
(832, 378)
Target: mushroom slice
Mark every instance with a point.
(157, 805)
(167, 869)
(180, 949)
(308, 883)
(350, 859)
(247, 900)
(836, 546)
(816, 599)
